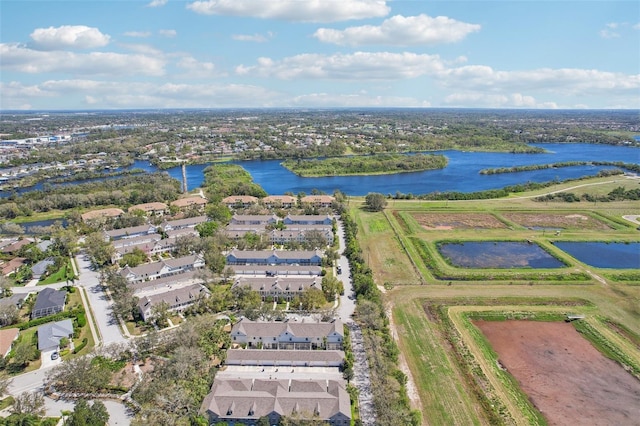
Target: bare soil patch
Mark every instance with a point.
(553, 220)
(438, 221)
(568, 380)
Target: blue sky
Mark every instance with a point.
(319, 53)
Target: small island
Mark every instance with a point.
(382, 164)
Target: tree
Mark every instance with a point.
(80, 375)
(314, 239)
(88, 415)
(331, 286)
(98, 249)
(29, 404)
(312, 298)
(23, 352)
(160, 314)
(133, 259)
(9, 314)
(5, 381)
(375, 201)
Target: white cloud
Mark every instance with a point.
(144, 49)
(354, 100)
(258, 38)
(140, 34)
(168, 33)
(19, 58)
(484, 100)
(294, 10)
(157, 3)
(565, 81)
(355, 66)
(401, 31)
(69, 37)
(117, 94)
(608, 34)
(194, 69)
(636, 26)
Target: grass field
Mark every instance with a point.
(454, 378)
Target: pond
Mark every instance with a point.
(603, 254)
(29, 226)
(498, 254)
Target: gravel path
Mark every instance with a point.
(361, 376)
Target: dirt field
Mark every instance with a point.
(552, 220)
(432, 221)
(565, 377)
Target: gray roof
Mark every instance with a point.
(167, 282)
(281, 254)
(189, 221)
(49, 298)
(277, 269)
(49, 334)
(238, 356)
(295, 328)
(41, 267)
(133, 230)
(174, 297)
(296, 283)
(255, 398)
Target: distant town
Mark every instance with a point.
(129, 298)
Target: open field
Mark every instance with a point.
(453, 375)
(564, 376)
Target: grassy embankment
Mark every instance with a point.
(450, 362)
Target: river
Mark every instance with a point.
(461, 174)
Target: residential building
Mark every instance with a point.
(48, 302)
(308, 219)
(288, 334)
(130, 232)
(190, 202)
(40, 268)
(7, 337)
(190, 222)
(176, 300)
(101, 214)
(274, 257)
(246, 219)
(285, 358)
(239, 201)
(12, 266)
(50, 334)
(276, 270)
(279, 288)
(280, 201)
(318, 200)
(156, 208)
(163, 268)
(244, 401)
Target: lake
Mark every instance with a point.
(462, 174)
(602, 254)
(498, 254)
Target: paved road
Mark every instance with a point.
(347, 305)
(100, 303)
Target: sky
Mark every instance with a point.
(135, 54)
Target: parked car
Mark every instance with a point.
(339, 270)
(55, 356)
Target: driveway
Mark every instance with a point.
(45, 358)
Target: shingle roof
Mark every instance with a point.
(298, 329)
(49, 298)
(252, 399)
(237, 356)
(50, 334)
